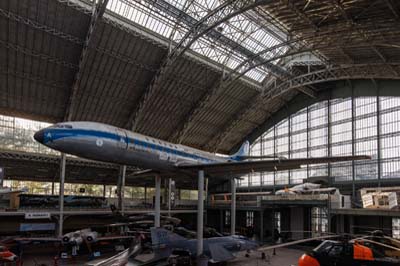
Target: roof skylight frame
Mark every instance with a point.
(241, 29)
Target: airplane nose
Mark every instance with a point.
(307, 260)
(39, 136)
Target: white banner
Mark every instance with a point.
(37, 215)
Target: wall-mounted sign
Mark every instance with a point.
(37, 215)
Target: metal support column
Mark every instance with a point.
(52, 188)
(61, 195)
(233, 206)
(200, 213)
(104, 191)
(353, 146)
(169, 196)
(289, 142)
(121, 189)
(378, 134)
(221, 221)
(157, 208)
(262, 226)
(145, 194)
(206, 202)
(329, 141)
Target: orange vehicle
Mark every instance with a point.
(7, 255)
(346, 253)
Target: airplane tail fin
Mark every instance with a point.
(243, 152)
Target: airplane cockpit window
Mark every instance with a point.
(325, 247)
(336, 250)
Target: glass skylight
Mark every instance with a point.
(174, 18)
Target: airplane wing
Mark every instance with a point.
(103, 238)
(265, 248)
(245, 167)
(219, 253)
(40, 239)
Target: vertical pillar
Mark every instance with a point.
(308, 141)
(52, 188)
(121, 189)
(289, 141)
(61, 195)
(157, 208)
(262, 226)
(221, 221)
(351, 224)
(353, 145)
(329, 141)
(104, 191)
(273, 224)
(274, 176)
(169, 196)
(145, 195)
(233, 206)
(200, 213)
(378, 134)
(206, 202)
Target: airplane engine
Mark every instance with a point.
(76, 240)
(65, 239)
(91, 237)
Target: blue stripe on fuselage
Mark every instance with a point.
(58, 133)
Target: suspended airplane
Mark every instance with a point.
(107, 143)
(217, 249)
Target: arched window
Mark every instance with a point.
(337, 127)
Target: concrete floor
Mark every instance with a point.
(283, 257)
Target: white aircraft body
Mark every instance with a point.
(107, 143)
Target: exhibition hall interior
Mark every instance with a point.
(200, 132)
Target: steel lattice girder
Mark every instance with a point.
(199, 28)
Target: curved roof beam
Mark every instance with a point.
(277, 90)
(198, 28)
(357, 88)
(234, 76)
(215, 89)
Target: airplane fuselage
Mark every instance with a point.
(107, 143)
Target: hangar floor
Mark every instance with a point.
(283, 257)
